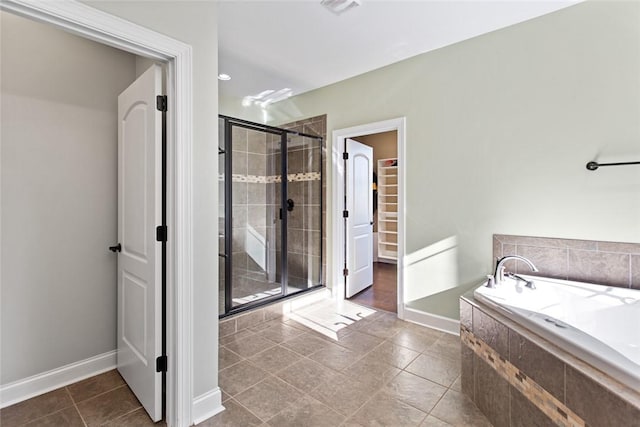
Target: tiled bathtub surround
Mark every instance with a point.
(603, 263)
(530, 381)
(553, 408)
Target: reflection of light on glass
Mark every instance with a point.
(264, 98)
(224, 77)
(256, 246)
(340, 6)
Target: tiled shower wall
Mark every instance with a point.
(605, 263)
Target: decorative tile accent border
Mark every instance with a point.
(307, 176)
(257, 179)
(542, 399)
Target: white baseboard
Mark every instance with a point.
(207, 405)
(434, 321)
(38, 384)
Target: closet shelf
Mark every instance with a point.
(388, 243)
(387, 209)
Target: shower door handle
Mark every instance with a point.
(290, 206)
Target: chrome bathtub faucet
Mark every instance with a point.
(528, 283)
(499, 274)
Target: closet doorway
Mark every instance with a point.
(60, 167)
(366, 263)
(382, 292)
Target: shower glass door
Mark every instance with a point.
(255, 207)
(304, 202)
(270, 221)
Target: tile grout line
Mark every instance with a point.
(381, 388)
(261, 381)
(305, 394)
(124, 415)
(363, 355)
(246, 409)
(99, 394)
(43, 416)
(308, 358)
(75, 405)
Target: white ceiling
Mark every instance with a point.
(273, 45)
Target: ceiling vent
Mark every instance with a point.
(340, 6)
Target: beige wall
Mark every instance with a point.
(499, 129)
(59, 196)
(384, 144)
(195, 23)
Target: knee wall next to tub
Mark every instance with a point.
(518, 379)
(604, 263)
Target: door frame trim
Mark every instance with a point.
(338, 180)
(93, 24)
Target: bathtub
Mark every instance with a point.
(598, 324)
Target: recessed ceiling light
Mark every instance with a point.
(223, 76)
(340, 6)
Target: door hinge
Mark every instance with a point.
(161, 233)
(161, 364)
(345, 155)
(161, 102)
(345, 214)
(345, 272)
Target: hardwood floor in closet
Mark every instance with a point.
(383, 294)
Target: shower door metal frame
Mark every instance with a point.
(229, 123)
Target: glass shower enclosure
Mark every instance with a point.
(270, 214)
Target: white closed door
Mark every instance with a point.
(359, 175)
(139, 262)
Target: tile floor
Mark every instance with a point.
(377, 371)
(103, 400)
(335, 371)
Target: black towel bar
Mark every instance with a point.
(595, 165)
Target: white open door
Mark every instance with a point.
(139, 262)
(359, 176)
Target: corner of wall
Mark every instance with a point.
(207, 405)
